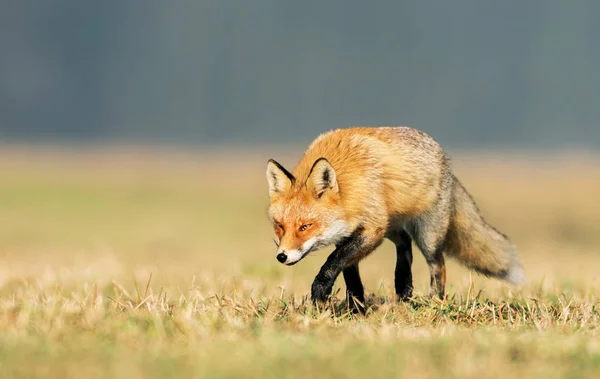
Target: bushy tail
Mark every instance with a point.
(478, 245)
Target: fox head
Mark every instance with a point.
(306, 216)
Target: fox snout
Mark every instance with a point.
(291, 257)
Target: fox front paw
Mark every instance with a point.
(356, 305)
(320, 293)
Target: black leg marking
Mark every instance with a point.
(403, 273)
(354, 288)
(345, 252)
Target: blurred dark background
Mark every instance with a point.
(473, 73)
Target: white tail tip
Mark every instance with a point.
(516, 275)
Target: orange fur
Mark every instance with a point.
(377, 168)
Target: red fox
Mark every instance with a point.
(356, 186)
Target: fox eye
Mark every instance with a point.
(304, 227)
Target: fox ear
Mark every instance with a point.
(322, 178)
(279, 179)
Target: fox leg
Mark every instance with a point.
(404, 258)
(346, 255)
(437, 271)
(429, 236)
(433, 253)
(354, 287)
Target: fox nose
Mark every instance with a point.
(281, 257)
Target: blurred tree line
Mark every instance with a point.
(471, 72)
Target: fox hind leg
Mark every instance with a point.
(437, 271)
(429, 235)
(404, 258)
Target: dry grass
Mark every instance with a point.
(137, 264)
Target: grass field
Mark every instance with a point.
(128, 263)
